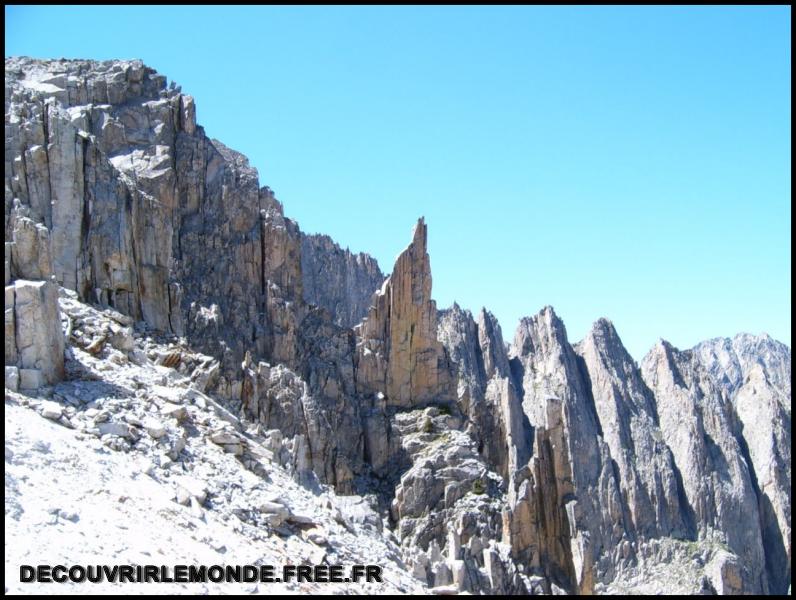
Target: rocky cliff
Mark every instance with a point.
(338, 280)
(139, 251)
(754, 372)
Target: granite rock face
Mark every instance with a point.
(36, 344)
(699, 425)
(145, 213)
(628, 416)
(755, 374)
(543, 467)
(338, 280)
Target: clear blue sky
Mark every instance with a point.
(632, 163)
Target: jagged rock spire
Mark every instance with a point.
(398, 352)
(626, 411)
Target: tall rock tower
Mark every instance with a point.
(398, 353)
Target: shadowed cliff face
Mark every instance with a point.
(700, 427)
(626, 408)
(543, 467)
(337, 280)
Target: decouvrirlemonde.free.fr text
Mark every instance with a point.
(199, 573)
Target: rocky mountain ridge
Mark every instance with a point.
(548, 466)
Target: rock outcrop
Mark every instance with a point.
(322, 435)
(486, 391)
(447, 508)
(35, 344)
(34, 341)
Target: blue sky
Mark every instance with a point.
(631, 163)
